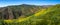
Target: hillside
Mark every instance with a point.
(50, 16)
(16, 11)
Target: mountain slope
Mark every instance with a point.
(51, 16)
(48, 17)
(18, 11)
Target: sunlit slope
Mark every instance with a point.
(43, 11)
(40, 12)
(50, 16)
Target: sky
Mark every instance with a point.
(4, 3)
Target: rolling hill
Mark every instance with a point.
(43, 16)
(16, 11)
(50, 16)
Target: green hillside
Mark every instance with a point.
(50, 16)
(16, 11)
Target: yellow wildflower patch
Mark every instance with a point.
(20, 20)
(8, 21)
(41, 12)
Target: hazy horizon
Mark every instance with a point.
(30, 2)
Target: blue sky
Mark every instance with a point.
(31, 2)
